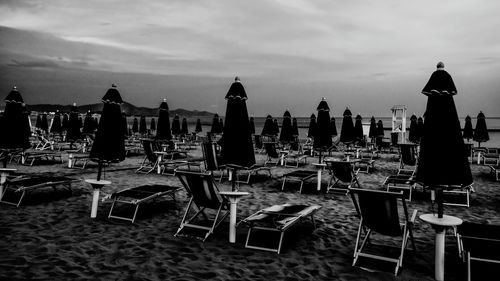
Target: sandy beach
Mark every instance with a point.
(51, 236)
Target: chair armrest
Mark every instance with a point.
(413, 216)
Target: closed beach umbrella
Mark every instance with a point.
(176, 126)
(135, 126)
(347, 131)
(38, 123)
(481, 131)
(276, 127)
(198, 127)
(215, 129)
(74, 125)
(14, 134)
(65, 122)
(236, 142)
(358, 128)
(286, 135)
(312, 126)
(380, 129)
(56, 127)
(109, 143)
(143, 128)
(221, 124)
(322, 137)
(413, 136)
(333, 127)
(468, 131)
(420, 127)
(373, 128)
(80, 122)
(26, 123)
(124, 125)
(184, 129)
(268, 129)
(442, 139)
(45, 123)
(252, 125)
(152, 124)
(295, 127)
(88, 124)
(163, 129)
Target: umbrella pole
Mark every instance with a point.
(99, 170)
(439, 201)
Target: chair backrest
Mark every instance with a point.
(202, 188)
(271, 150)
(210, 156)
(258, 141)
(342, 170)
(379, 210)
(408, 154)
(147, 144)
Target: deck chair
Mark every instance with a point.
(259, 147)
(150, 161)
(204, 196)
(277, 218)
(252, 170)
(273, 156)
(16, 189)
(459, 190)
(366, 161)
(343, 176)
(211, 159)
(135, 196)
(29, 157)
(495, 171)
(378, 212)
(478, 242)
(43, 143)
(404, 179)
(300, 175)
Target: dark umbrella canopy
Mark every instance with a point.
(56, 127)
(295, 127)
(286, 135)
(481, 131)
(468, 131)
(65, 122)
(74, 125)
(420, 127)
(38, 123)
(322, 137)
(358, 128)
(14, 134)
(143, 127)
(268, 129)
(237, 145)
(88, 124)
(373, 128)
(252, 125)
(198, 127)
(276, 127)
(135, 126)
(109, 143)
(221, 124)
(124, 125)
(163, 129)
(184, 129)
(413, 136)
(347, 131)
(333, 127)
(312, 126)
(45, 123)
(176, 125)
(216, 127)
(442, 138)
(380, 129)
(152, 124)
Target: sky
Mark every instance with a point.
(362, 54)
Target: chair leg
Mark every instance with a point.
(468, 267)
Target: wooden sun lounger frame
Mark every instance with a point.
(23, 189)
(282, 228)
(170, 191)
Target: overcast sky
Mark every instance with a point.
(368, 55)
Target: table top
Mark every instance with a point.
(319, 165)
(234, 193)
(96, 182)
(7, 170)
(445, 221)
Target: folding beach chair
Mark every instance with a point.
(343, 176)
(16, 189)
(150, 161)
(29, 157)
(478, 242)
(300, 175)
(378, 212)
(249, 171)
(259, 147)
(495, 171)
(135, 196)
(277, 218)
(43, 143)
(459, 190)
(204, 196)
(273, 156)
(405, 177)
(366, 161)
(212, 159)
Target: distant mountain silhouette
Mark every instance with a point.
(128, 108)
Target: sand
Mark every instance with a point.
(51, 236)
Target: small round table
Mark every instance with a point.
(234, 197)
(96, 185)
(440, 225)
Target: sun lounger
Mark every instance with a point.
(252, 170)
(135, 196)
(277, 218)
(30, 156)
(405, 177)
(495, 170)
(299, 175)
(19, 186)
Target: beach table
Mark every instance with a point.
(96, 185)
(234, 197)
(440, 225)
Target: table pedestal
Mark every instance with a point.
(320, 170)
(233, 197)
(96, 185)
